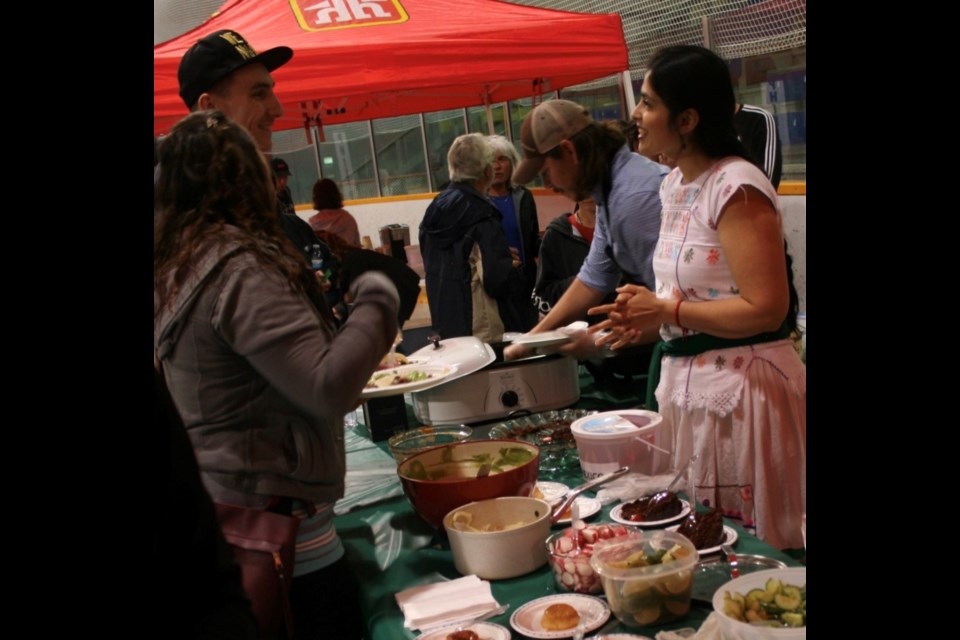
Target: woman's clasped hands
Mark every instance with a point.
(633, 317)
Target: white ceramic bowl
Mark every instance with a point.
(732, 629)
(507, 553)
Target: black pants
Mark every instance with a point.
(326, 604)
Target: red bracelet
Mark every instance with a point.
(676, 313)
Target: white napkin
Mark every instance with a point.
(440, 603)
(634, 485)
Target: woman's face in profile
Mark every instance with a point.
(654, 133)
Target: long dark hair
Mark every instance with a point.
(691, 77)
(212, 175)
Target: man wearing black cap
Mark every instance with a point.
(222, 71)
(586, 159)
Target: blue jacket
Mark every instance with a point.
(459, 218)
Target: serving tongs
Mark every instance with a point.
(586, 486)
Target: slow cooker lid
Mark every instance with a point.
(467, 353)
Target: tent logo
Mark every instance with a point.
(325, 15)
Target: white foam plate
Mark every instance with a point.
(544, 339)
(587, 506)
(593, 612)
(616, 514)
(438, 373)
(552, 491)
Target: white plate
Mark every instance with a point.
(587, 506)
(439, 374)
(729, 537)
(486, 631)
(615, 514)
(552, 491)
(621, 636)
(593, 612)
(544, 339)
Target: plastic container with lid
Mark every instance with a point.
(645, 586)
(633, 438)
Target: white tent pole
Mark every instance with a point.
(626, 90)
(317, 137)
(373, 159)
(426, 153)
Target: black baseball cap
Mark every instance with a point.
(279, 166)
(216, 56)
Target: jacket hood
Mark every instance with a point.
(169, 322)
(454, 211)
(562, 225)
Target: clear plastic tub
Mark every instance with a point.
(642, 595)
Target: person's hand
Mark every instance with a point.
(515, 256)
(324, 281)
(635, 311)
(516, 351)
(582, 346)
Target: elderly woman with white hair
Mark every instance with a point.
(470, 271)
(522, 229)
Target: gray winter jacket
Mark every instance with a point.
(260, 381)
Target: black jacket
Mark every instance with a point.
(562, 252)
(458, 218)
(404, 278)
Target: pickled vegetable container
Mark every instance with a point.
(647, 577)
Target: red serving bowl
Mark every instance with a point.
(439, 480)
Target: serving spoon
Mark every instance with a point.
(572, 495)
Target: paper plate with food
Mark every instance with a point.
(552, 492)
(651, 511)
(404, 379)
(706, 546)
(559, 616)
(396, 359)
(586, 506)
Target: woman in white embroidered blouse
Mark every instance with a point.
(732, 387)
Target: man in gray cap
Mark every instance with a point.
(222, 71)
(583, 159)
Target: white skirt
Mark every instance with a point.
(752, 451)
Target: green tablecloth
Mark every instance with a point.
(391, 548)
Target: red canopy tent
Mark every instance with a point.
(365, 59)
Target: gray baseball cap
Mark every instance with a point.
(549, 124)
